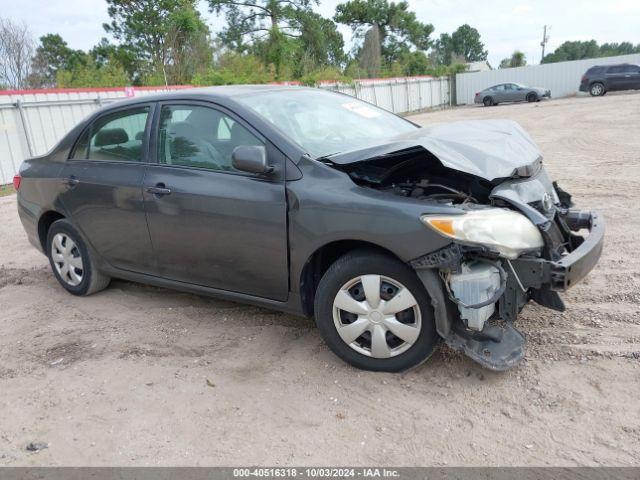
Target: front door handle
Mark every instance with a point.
(71, 181)
(160, 189)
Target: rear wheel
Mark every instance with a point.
(374, 313)
(71, 262)
(487, 101)
(596, 89)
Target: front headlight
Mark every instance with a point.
(505, 231)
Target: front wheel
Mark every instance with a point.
(532, 97)
(71, 262)
(374, 313)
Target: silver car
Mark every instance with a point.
(511, 92)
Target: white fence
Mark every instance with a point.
(400, 95)
(31, 122)
(562, 78)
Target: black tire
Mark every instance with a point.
(364, 262)
(597, 89)
(532, 97)
(92, 279)
(487, 101)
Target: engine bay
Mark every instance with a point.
(416, 173)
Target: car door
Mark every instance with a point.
(103, 179)
(512, 94)
(210, 224)
(631, 77)
(519, 93)
(616, 78)
(499, 94)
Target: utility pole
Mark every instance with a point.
(545, 39)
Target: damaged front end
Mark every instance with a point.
(516, 237)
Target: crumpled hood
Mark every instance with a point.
(489, 149)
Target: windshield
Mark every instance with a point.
(325, 123)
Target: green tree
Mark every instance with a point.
(398, 29)
(89, 74)
(573, 51)
(463, 45)
(105, 51)
(624, 48)
(236, 68)
(321, 45)
(415, 63)
(149, 29)
(578, 50)
(188, 46)
(517, 59)
(465, 41)
(249, 20)
(443, 50)
(284, 33)
(53, 54)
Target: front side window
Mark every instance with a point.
(199, 136)
(114, 137)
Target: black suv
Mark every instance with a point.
(600, 79)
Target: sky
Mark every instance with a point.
(503, 25)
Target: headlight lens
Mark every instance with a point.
(505, 231)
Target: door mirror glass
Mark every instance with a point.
(251, 159)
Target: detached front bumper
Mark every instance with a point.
(576, 265)
(564, 273)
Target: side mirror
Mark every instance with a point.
(251, 159)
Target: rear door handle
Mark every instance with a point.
(160, 189)
(71, 182)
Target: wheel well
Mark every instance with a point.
(321, 260)
(44, 223)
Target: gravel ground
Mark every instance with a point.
(137, 375)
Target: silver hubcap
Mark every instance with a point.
(596, 89)
(376, 316)
(67, 259)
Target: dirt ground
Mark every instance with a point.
(137, 375)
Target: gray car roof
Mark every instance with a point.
(219, 92)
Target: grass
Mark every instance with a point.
(6, 190)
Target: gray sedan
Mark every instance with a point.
(511, 92)
(390, 235)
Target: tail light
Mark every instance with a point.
(16, 181)
(477, 93)
(583, 79)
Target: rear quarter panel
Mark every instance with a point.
(41, 185)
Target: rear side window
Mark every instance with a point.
(596, 70)
(617, 69)
(114, 137)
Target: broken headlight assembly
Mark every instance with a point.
(504, 231)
